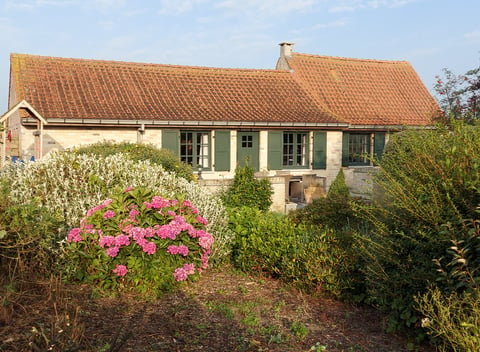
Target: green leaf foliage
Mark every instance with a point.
(459, 268)
(30, 237)
(246, 190)
(334, 211)
(338, 188)
(429, 180)
(305, 256)
(453, 321)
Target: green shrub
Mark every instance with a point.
(338, 189)
(334, 211)
(138, 240)
(248, 191)
(451, 308)
(335, 215)
(258, 245)
(317, 262)
(139, 152)
(427, 178)
(68, 184)
(270, 243)
(459, 267)
(452, 320)
(29, 238)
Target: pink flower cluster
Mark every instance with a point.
(128, 231)
(188, 204)
(99, 207)
(120, 270)
(159, 203)
(109, 214)
(75, 235)
(181, 274)
(182, 249)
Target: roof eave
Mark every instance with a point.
(185, 123)
(389, 127)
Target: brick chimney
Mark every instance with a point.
(285, 54)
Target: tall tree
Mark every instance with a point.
(459, 95)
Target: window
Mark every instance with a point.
(359, 149)
(362, 149)
(295, 149)
(247, 141)
(195, 148)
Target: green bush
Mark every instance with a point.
(335, 215)
(248, 191)
(68, 184)
(453, 320)
(451, 307)
(459, 267)
(427, 178)
(271, 244)
(29, 238)
(334, 211)
(338, 189)
(139, 152)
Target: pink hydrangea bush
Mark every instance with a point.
(141, 241)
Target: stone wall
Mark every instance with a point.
(359, 181)
(278, 185)
(309, 187)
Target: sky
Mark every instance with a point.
(430, 34)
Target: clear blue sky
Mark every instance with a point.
(431, 34)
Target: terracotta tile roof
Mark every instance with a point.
(364, 92)
(95, 89)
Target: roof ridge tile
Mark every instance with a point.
(143, 64)
(342, 58)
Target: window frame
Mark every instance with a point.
(361, 149)
(200, 142)
(296, 147)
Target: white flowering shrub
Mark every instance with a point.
(69, 184)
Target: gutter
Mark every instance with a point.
(388, 127)
(69, 122)
(185, 123)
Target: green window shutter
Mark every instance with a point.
(222, 150)
(170, 140)
(345, 138)
(275, 142)
(320, 150)
(379, 144)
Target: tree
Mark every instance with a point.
(459, 95)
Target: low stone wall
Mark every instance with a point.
(278, 185)
(360, 181)
(309, 186)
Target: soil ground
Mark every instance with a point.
(222, 311)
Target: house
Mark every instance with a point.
(297, 124)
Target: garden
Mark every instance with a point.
(137, 256)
